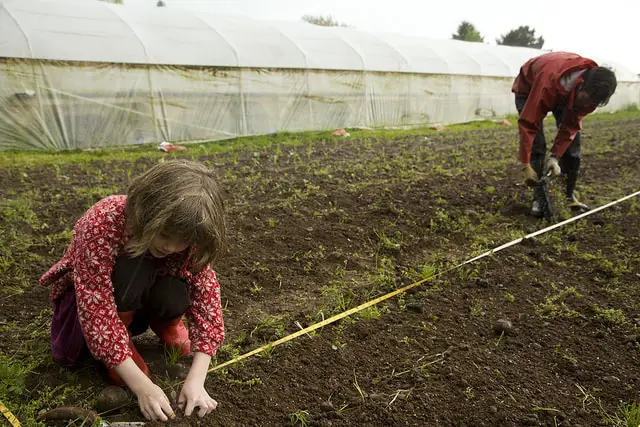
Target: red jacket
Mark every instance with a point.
(98, 238)
(540, 81)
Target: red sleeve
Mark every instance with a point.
(105, 335)
(567, 131)
(539, 103)
(206, 329)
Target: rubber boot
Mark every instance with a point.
(537, 163)
(536, 209)
(173, 334)
(127, 317)
(575, 205)
(572, 200)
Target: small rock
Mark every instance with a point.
(111, 399)
(531, 420)
(178, 371)
(503, 325)
(482, 282)
(464, 346)
(377, 397)
(493, 409)
(582, 412)
(610, 379)
(561, 415)
(631, 338)
(536, 345)
(326, 407)
(335, 415)
(545, 324)
(411, 291)
(415, 307)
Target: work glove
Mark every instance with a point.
(552, 167)
(530, 175)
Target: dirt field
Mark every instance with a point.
(319, 225)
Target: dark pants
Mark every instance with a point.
(141, 284)
(144, 285)
(570, 160)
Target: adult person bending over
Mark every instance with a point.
(570, 87)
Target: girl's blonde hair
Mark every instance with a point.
(180, 200)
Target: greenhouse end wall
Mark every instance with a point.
(60, 105)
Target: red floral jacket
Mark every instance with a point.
(98, 239)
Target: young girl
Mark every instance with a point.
(138, 261)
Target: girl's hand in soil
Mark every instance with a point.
(153, 403)
(193, 393)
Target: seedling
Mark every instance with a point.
(299, 418)
(357, 386)
(508, 297)
(610, 316)
(171, 355)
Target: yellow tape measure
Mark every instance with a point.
(327, 321)
(9, 416)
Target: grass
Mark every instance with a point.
(555, 306)
(627, 415)
(21, 389)
(609, 316)
(271, 324)
(135, 152)
(172, 355)
(299, 418)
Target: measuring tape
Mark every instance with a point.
(9, 416)
(413, 285)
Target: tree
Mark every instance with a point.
(114, 1)
(467, 32)
(161, 4)
(521, 36)
(325, 21)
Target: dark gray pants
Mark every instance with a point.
(570, 160)
(144, 285)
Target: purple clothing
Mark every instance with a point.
(67, 339)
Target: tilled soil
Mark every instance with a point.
(318, 228)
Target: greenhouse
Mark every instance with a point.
(93, 74)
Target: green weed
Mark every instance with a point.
(508, 297)
(299, 418)
(476, 309)
(554, 305)
(171, 355)
(272, 324)
(609, 316)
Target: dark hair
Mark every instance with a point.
(599, 83)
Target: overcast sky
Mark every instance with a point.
(605, 29)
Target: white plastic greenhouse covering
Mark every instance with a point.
(77, 74)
